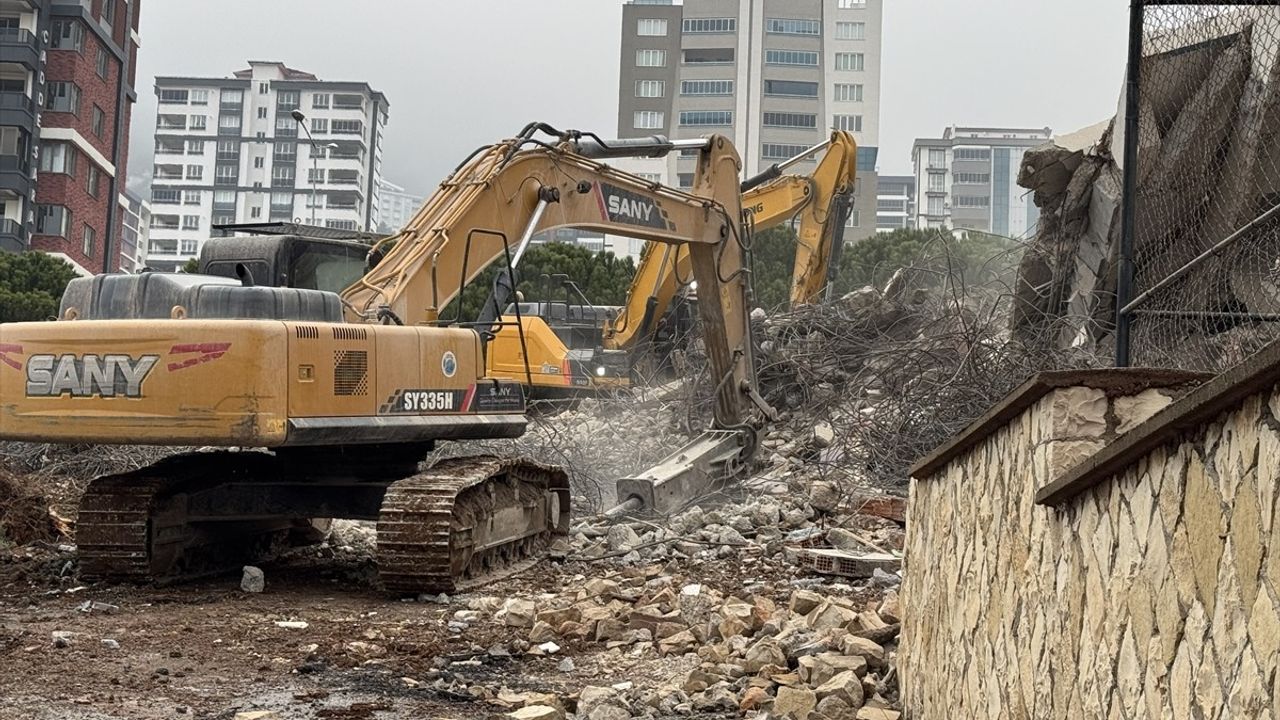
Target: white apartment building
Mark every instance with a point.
(229, 150)
(895, 203)
(775, 76)
(397, 206)
(135, 232)
(967, 180)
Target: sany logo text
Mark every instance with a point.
(106, 376)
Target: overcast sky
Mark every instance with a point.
(460, 73)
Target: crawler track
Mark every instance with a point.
(467, 521)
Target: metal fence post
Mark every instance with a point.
(1124, 277)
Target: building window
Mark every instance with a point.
(173, 97)
(255, 212)
(58, 158)
(791, 120)
(777, 151)
(650, 177)
(651, 88)
(200, 122)
(971, 154)
(285, 152)
(972, 178)
(98, 121)
(103, 63)
(784, 26)
(848, 92)
(848, 123)
(66, 35)
(701, 118)
(702, 26)
(855, 218)
(262, 113)
(685, 180)
(264, 88)
(649, 120)
(195, 147)
(224, 220)
(340, 224)
(195, 172)
(934, 205)
(109, 12)
(320, 126)
(282, 174)
(790, 57)
(320, 101)
(190, 247)
(286, 126)
(851, 31)
(937, 158)
(231, 98)
(259, 162)
(651, 58)
(192, 197)
(190, 222)
(225, 175)
(228, 150)
(62, 97)
(708, 56)
(706, 87)
(224, 197)
(199, 97)
(282, 199)
(52, 220)
(92, 180)
(850, 61)
(937, 182)
(651, 27)
(851, 4)
(164, 196)
(287, 100)
(791, 88)
(86, 244)
(347, 127)
(972, 201)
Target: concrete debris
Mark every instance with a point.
(292, 624)
(110, 644)
(61, 638)
(253, 580)
(257, 715)
(537, 712)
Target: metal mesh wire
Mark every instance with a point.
(1206, 253)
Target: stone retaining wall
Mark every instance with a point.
(1149, 592)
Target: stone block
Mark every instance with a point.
(1133, 410)
(1079, 412)
(794, 703)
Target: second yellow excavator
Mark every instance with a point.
(572, 347)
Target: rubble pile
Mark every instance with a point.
(782, 643)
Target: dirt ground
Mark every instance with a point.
(208, 650)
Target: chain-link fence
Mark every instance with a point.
(1202, 148)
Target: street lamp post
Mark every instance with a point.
(315, 164)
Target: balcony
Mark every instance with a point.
(282, 182)
(13, 236)
(19, 46)
(282, 132)
(17, 101)
(170, 148)
(171, 122)
(344, 177)
(229, 131)
(229, 156)
(168, 172)
(348, 102)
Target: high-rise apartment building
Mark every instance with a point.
(66, 97)
(967, 180)
(230, 150)
(136, 231)
(895, 202)
(398, 207)
(773, 75)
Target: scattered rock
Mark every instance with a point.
(889, 610)
(824, 436)
(110, 644)
(542, 632)
(803, 602)
(362, 650)
(566, 665)
(292, 624)
(622, 537)
(867, 713)
(253, 580)
(258, 715)
(845, 685)
(754, 698)
(517, 612)
(794, 703)
(61, 638)
(764, 653)
(537, 712)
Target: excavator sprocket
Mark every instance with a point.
(468, 521)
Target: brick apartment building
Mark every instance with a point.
(66, 97)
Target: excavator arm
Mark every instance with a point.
(489, 209)
(820, 201)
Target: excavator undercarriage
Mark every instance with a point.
(198, 513)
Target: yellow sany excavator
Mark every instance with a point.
(343, 394)
(558, 355)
